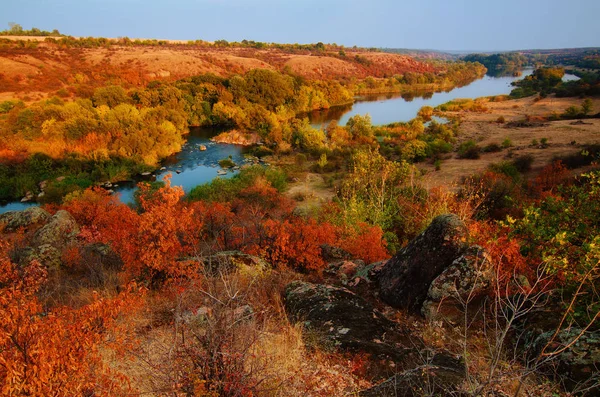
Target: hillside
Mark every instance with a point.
(32, 70)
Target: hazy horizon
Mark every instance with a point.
(465, 26)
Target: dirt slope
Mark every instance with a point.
(32, 69)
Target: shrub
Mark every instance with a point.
(491, 148)
(226, 163)
(507, 168)
(262, 151)
(507, 143)
(523, 163)
(501, 120)
(469, 150)
(300, 159)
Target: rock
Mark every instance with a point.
(197, 317)
(344, 320)
(60, 230)
(468, 278)
(147, 173)
(344, 270)
(405, 279)
(439, 377)
(13, 220)
(202, 148)
(43, 185)
(233, 260)
(28, 197)
(61, 178)
(330, 253)
(47, 255)
(579, 365)
(243, 313)
(366, 277)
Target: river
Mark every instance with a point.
(192, 167)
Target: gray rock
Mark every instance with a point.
(231, 260)
(578, 367)
(405, 279)
(460, 286)
(330, 253)
(439, 377)
(60, 231)
(342, 319)
(14, 220)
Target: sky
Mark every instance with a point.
(462, 25)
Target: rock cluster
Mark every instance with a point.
(54, 233)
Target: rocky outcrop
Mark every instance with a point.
(460, 286)
(405, 279)
(237, 137)
(14, 220)
(439, 377)
(46, 246)
(342, 319)
(227, 261)
(60, 230)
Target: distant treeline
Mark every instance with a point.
(452, 74)
(549, 81)
(509, 62)
(499, 64)
(86, 42)
(17, 30)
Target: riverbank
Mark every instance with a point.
(564, 137)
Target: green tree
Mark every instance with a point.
(110, 96)
(587, 106)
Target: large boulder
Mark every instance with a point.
(405, 279)
(460, 287)
(342, 319)
(59, 232)
(440, 376)
(14, 220)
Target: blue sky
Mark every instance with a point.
(429, 24)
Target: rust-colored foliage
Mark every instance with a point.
(505, 251)
(53, 351)
(550, 177)
(295, 243)
(366, 243)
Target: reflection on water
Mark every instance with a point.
(389, 108)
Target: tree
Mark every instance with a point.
(587, 106)
(15, 28)
(360, 128)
